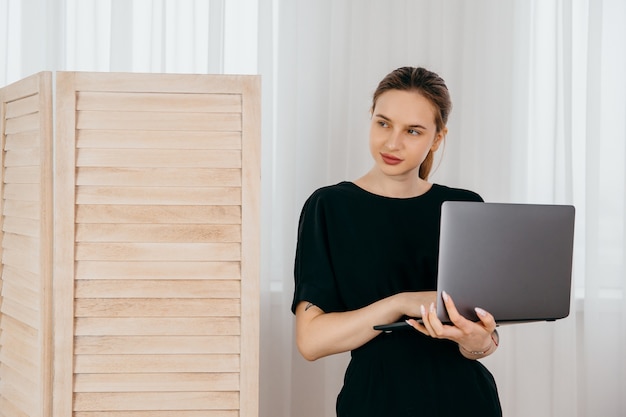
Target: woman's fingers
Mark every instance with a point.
(486, 318)
(437, 328)
(430, 325)
(453, 313)
(422, 326)
(460, 329)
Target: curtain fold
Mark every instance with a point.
(539, 114)
(10, 55)
(604, 367)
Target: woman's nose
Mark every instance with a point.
(393, 141)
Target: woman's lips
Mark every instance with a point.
(390, 159)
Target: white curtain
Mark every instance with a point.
(169, 36)
(539, 93)
(539, 116)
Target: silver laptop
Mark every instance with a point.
(513, 260)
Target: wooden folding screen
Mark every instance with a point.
(26, 206)
(156, 246)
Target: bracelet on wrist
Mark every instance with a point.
(482, 352)
(476, 352)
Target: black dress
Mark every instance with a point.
(355, 248)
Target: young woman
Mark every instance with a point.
(367, 255)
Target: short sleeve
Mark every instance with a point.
(313, 271)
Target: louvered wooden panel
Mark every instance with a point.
(25, 280)
(156, 273)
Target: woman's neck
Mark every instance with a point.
(395, 187)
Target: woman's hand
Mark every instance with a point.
(475, 339)
(408, 303)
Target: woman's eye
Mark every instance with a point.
(382, 123)
(414, 132)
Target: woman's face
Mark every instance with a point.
(402, 132)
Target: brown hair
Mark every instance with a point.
(429, 85)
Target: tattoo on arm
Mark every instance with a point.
(308, 306)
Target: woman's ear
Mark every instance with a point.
(439, 138)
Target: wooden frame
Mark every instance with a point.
(155, 245)
(26, 205)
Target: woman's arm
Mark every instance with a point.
(320, 334)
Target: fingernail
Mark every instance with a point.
(445, 296)
(423, 310)
(480, 312)
(432, 307)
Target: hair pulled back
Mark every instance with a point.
(429, 85)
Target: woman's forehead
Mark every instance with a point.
(407, 107)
